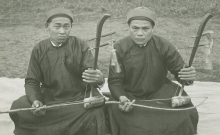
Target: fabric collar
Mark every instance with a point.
(143, 45)
(55, 44)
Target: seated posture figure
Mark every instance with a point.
(59, 71)
(145, 59)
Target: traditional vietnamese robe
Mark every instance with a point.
(54, 76)
(143, 77)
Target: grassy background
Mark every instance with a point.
(24, 11)
(22, 26)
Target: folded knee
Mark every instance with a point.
(21, 102)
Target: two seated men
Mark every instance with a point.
(60, 71)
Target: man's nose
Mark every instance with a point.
(61, 31)
(140, 33)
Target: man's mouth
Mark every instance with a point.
(61, 37)
(139, 40)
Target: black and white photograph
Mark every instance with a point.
(109, 67)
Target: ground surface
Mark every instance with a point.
(209, 112)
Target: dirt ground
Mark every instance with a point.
(17, 42)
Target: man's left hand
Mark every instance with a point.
(125, 104)
(188, 73)
(93, 76)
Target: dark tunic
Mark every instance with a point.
(143, 77)
(55, 75)
(59, 69)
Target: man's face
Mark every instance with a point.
(140, 31)
(59, 29)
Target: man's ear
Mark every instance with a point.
(71, 25)
(129, 24)
(46, 25)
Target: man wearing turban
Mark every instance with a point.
(145, 59)
(59, 71)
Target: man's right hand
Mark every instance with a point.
(38, 112)
(125, 104)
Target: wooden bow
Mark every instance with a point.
(107, 102)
